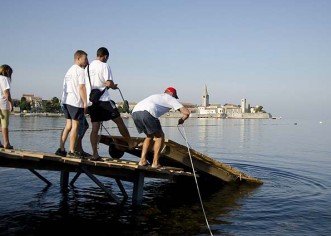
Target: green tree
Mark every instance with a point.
(56, 105)
(259, 109)
(51, 106)
(24, 104)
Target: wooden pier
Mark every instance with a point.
(120, 170)
(174, 156)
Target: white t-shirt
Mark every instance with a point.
(158, 104)
(73, 78)
(4, 85)
(100, 72)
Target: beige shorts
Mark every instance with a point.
(4, 118)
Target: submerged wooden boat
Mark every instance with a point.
(176, 155)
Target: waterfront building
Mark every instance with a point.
(229, 110)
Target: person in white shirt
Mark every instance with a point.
(74, 103)
(6, 105)
(146, 118)
(99, 76)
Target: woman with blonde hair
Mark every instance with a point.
(6, 105)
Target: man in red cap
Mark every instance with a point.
(146, 118)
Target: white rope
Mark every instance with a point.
(195, 177)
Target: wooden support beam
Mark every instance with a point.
(64, 179)
(75, 178)
(138, 188)
(95, 180)
(120, 185)
(40, 177)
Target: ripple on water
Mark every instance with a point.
(285, 204)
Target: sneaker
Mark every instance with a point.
(74, 154)
(84, 154)
(61, 153)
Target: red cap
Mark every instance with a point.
(173, 90)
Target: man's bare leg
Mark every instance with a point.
(124, 131)
(146, 144)
(79, 146)
(94, 139)
(158, 144)
(65, 133)
(73, 135)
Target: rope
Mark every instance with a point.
(117, 144)
(195, 177)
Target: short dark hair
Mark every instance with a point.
(102, 52)
(79, 53)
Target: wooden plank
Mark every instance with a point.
(178, 153)
(10, 155)
(72, 161)
(50, 159)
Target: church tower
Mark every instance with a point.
(205, 98)
(243, 105)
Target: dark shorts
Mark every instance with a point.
(103, 111)
(72, 113)
(82, 125)
(146, 123)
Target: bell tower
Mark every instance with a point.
(205, 98)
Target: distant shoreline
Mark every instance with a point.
(38, 114)
(167, 115)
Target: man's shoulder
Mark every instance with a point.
(75, 68)
(97, 63)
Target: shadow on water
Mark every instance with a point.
(168, 209)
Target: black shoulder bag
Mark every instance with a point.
(95, 94)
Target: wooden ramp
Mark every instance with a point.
(108, 167)
(177, 155)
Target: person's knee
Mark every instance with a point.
(68, 127)
(149, 136)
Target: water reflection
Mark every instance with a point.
(293, 161)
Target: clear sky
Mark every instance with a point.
(274, 53)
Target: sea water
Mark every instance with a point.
(291, 157)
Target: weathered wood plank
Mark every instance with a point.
(178, 153)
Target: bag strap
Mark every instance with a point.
(88, 73)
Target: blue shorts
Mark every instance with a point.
(72, 113)
(146, 123)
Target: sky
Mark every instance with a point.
(274, 53)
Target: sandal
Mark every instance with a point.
(9, 147)
(94, 159)
(159, 167)
(144, 165)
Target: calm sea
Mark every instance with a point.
(292, 157)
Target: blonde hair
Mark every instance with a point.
(6, 70)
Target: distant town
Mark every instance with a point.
(33, 105)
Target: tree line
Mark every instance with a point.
(46, 106)
(49, 106)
